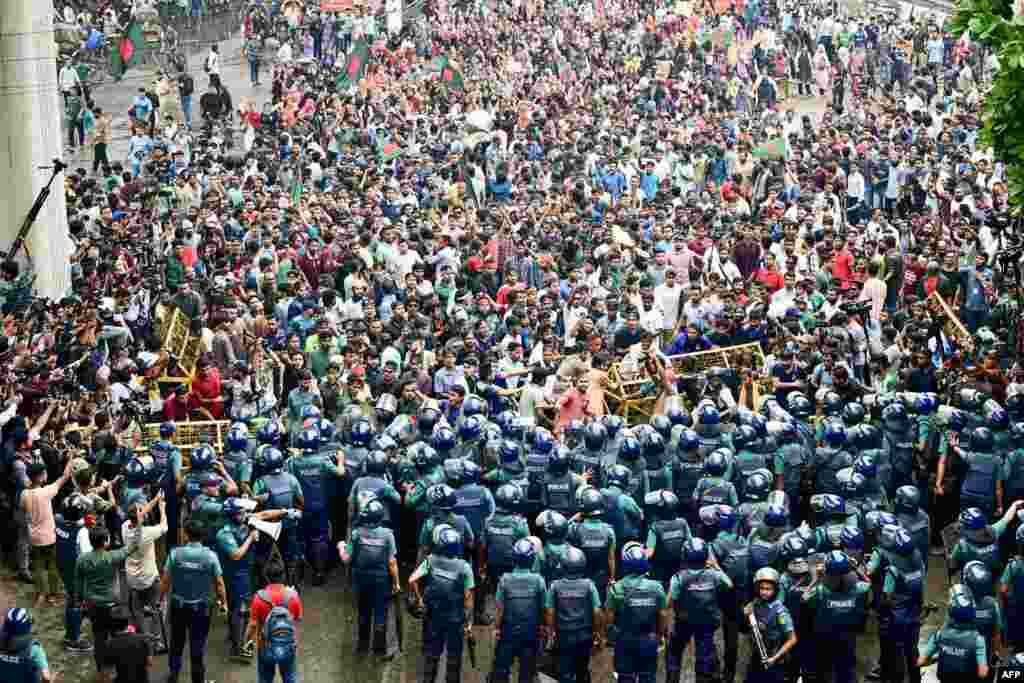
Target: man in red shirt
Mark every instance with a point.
(206, 388)
(179, 405)
(842, 262)
(276, 594)
(769, 276)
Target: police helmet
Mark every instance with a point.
(853, 414)
(448, 540)
(907, 500)
(758, 485)
(973, 519)
(618, 475)
(591, 501)
(978, 577)
(595, 436)
(835, 434)
(630, 449)
(837, 563)
(695, 551)
(308, 439)
(238, 438)
(273, 459)
(716, 464)
(961, 604)
(202, 458)
(775, 517)
(524, 553)
(634, 559)
(982, 439)
(508, 497)
(554, 524)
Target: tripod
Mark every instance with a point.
(33, 213)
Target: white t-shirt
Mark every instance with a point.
(140, 567)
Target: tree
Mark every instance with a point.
(993, 24)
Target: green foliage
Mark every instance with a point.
(991, 22)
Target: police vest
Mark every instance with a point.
(595, 541)
(843, 611)
(67, 545)
(707, 444)
(919, 527)
(524, 601)
(980, 479)
(501, 537)
(985, 620)
(280, 488)
(795, 589)
(763, 553)
(714, 491)
(191, 574)
(16, 661)
(986, 550)
(469, 502)
(574, 611)
(445, 593)
(309, 471)
(638, 615)
(536, 467)
(613, 513)
(901, 448)
(659, 478)
(370, 554)
(768, 618)
(637, 470)
(957, 654)
(688, 474)
(698, 604)
(908, 595)
(746, 463)
(560, 496)
(751, 516)
(235, 462)
(1015, 598)
(1015, 479)
(832, 534)
(833, 460)
(587, 460)
(670, 535)
(734, 557)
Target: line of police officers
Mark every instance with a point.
(682, 515)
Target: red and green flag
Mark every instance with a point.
(127, 53)
(389, 151)
(355, 66)
(452, 77)
(772, 149)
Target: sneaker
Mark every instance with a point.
(81, 646)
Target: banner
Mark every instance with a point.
(336, 5)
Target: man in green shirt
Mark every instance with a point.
(94, 575)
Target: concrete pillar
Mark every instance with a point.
(30, 136)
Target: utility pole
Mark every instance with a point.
(31, 109)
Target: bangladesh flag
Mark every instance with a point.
(389, 151)
(452, 77)
(355, 66)
(772, 149)
(127, 53)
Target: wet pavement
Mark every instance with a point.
(327, 642)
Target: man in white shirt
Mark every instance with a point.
(141, 572)
(213, 64)
(68, 79)
(667, 295)
(783, 299)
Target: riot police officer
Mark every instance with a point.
(979, 540)
(475, 503)
(167, 461)
(595, 537)
(375, 485)
(957, 646)
(572, 613)
(764, 541)
(840, 607)
(696, 592)
(72, 541)
(658, 472)
(518, 624)
(911, 517)
(555, 528)
(372, 553)
(899, 613)
(901, 436)
(621, 510)
(713, 488)
(666, 535)
(500, 534)
(830, 458)
(828, 536)
(637, 611)
(236, 458)
(631, 457)
(442, 511)
(587, 458)
(732, 553)
(447, 599)
(560, 485)
(795, 580)
(22, 658)
(981, 486)
(689, 468)
(192, 573)
(775, 626)
(233, 543)
(794, 456)
(280, 490)
(315, 474)
(988, 618)
(537, 461)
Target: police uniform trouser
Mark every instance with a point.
(899, 651)
(802, 661)
(573, 650)
(636, 657)
(373, 599)
(239, 590)
(316, 531)
(439, 634)
(730, 644)
(706, 657)
(758, 674)
(192, 620)
(506, 650)
(837, 656)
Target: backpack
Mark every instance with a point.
(187, 85)
(278, 629)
